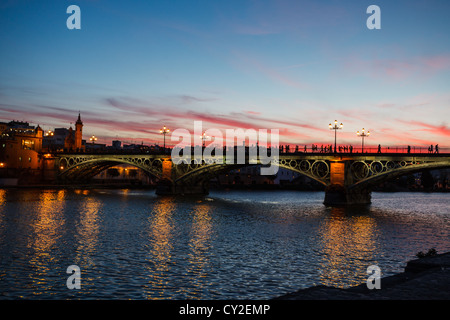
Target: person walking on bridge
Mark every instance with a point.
(436, 149)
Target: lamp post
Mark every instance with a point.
(335, 128)
(164, 131)
(363, 134)
(50, 133)
(93, 139)
(204, 138)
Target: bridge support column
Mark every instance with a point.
(338, 192)
(170, 186)
(336, 195)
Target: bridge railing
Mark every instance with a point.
(283, 149)
(359, 150)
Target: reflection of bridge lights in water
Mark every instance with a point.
(165, 257)
(87, 231)
(2, 222)
(160, 233)
(47, 228)
(347, 240)
(2, 197)
(201, 230)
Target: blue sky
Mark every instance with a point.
(289, 65)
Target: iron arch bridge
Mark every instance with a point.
(348, 178)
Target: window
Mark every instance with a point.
(28, 144)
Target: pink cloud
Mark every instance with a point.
(396, 69)
(437, 63)
(441, 130)
(253, 112)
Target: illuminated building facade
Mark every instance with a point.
(63, 139)
(23, 148)
(20, 147)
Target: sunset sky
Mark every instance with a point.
(293, 65)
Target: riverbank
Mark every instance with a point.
(426, 278)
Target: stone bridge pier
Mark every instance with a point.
(176, 180)
(340, 190)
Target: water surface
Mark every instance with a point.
(132, 244)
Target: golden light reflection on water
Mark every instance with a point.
(87, 232)
(46, 230)
(160, 251)
(82, 191)
(198, 259)
(348, 244)
(2, 197)
(2, 205)
(2, 224)
(163, 261)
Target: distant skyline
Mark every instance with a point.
(293, 65)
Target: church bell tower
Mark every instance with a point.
(78, 133)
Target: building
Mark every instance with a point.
(116, 144)
(24, 147)
(63, 139)
(78, 136)
(20, 147)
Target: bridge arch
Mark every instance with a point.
(373, 177)
(81, 168)
(318, 170)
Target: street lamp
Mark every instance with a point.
(93, 139)
(50, 133)
(335, 128)
(204, 138)
(363, 134)
(164, 131)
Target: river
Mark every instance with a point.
(132, 244)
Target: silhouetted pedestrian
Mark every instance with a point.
(436, 149)
(409, 149)
(379, 148)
